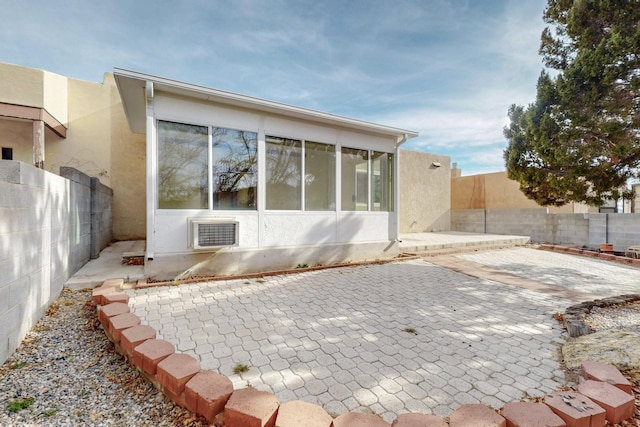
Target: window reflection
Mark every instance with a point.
(182, 166)
(235, 169)
(284, 173)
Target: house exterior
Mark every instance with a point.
(236, 183)
(291, 186)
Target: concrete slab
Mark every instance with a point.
(108, 265)
(420, 242)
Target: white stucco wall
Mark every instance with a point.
(262, 228)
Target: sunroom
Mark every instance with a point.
(237, 184)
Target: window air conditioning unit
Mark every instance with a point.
(213, 233)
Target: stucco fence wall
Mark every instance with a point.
(45, 237)
(622, 230)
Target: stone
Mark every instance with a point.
(109, 310)
(618, 404)
(207, 392)
(115, 297)
(576, 409)
(249, 407)
(529, 414)
(119, 323)
(302, 414)
(476, 415)
(175, 370)
(147, 355)
(97, 294)
(354, 419)
(418, 420)
(606, 373)
(132, 337)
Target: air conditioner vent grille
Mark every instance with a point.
(216, 234)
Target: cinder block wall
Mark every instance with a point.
(468, 220)
(622, 230)
(45, 237)
(101, 217)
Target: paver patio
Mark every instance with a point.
(392, 338)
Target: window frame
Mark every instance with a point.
(210, 161)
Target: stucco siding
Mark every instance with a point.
(425, 192)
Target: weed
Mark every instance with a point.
(260, 280)
(246, 282)
(410, 331)
(51, 412)
(20, 404)
(18, 365)
(302, 266)
(240, 369)
(83, 393)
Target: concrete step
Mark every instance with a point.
(435, 250)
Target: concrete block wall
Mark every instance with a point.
(567, 229)
(623, 230)
(502, 221)
(80, 217)
(590, 230)
(45, 229)
(468, 220)
(101, 217)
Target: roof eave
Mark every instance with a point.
(131, 85)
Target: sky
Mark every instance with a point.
(448, 69)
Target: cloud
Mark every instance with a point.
(448, 69)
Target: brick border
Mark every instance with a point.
(211, 395)
(591, 254)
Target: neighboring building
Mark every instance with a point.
(497, 191)
(54, 121)
(217, 182)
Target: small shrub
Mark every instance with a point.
(18, 365)
(240, 369)
(51, 412)
(20, 404)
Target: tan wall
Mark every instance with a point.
(128, 173)
(497, 191)
(34, 88)
(87, 145)
(425, 192)
(98, 143)
(16, 134)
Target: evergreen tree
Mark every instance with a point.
(580, 140)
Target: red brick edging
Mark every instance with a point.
(591, 254)
(604, 393)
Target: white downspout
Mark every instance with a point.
(151, 171)
(396, 180)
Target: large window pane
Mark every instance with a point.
(235, 169)
(319, 176)
(283, 173)
(182, 166)
(355, 179)
(382, 181)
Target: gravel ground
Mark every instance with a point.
(67, 373)
(614, 317)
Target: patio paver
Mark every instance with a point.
(388, 339)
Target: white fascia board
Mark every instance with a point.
(131, 86)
